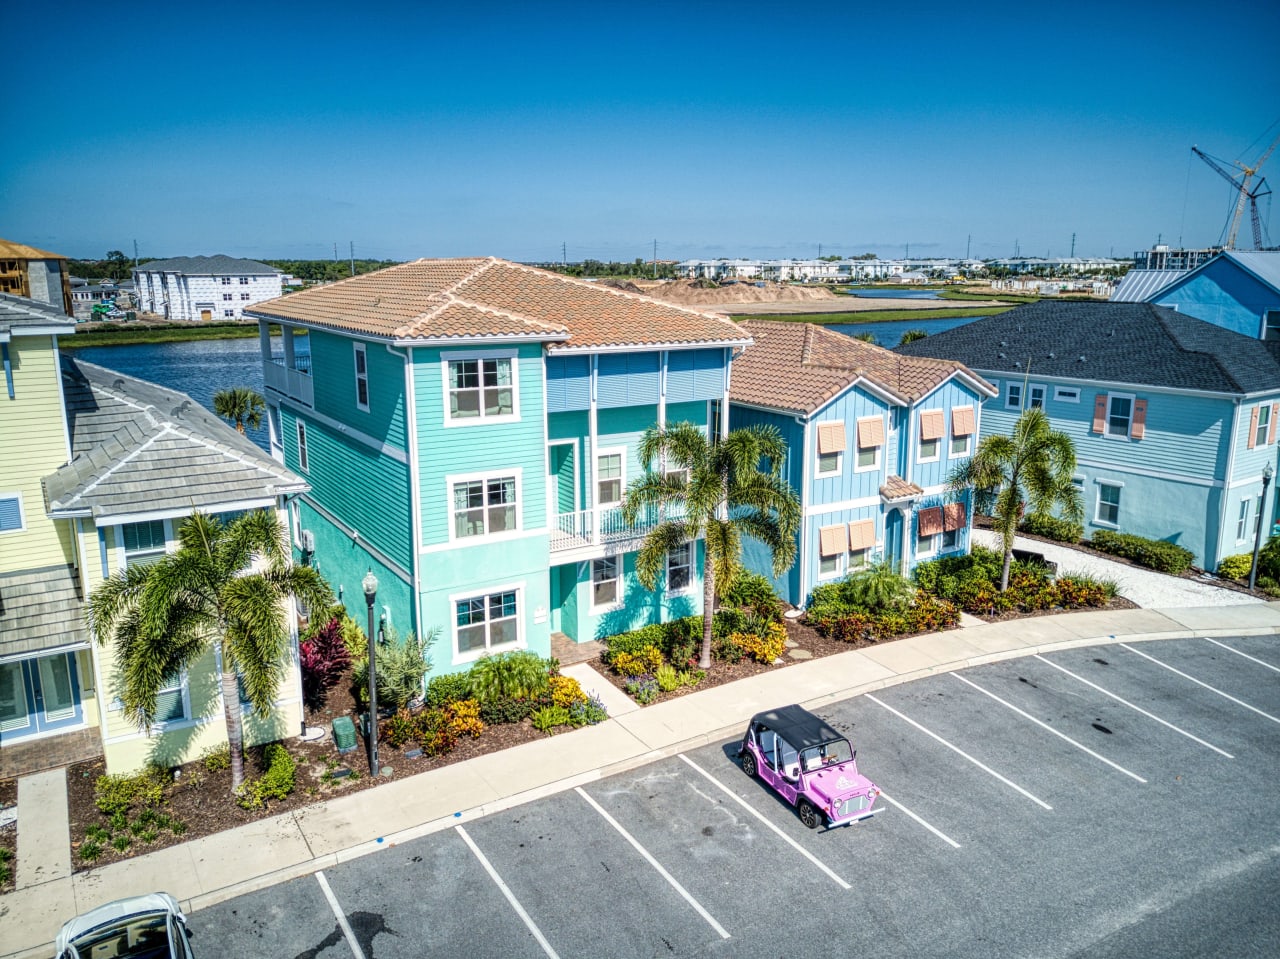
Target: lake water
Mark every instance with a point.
(896, 293)
(889, 333)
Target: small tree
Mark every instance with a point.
(1033, 465)
(240, 405)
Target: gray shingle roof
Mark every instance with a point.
(216, 265)
(41, 609)
(1109, 342)
(140, 448)
(17, 312)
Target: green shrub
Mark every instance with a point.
(752, 591)
(1269, 561)
(1051, 527)
(97, 833)
(654, 635)
(90, 850)
(401, 666)
(726, 649)
(682, 639)
(116, 794)
(276, 783)
(517, 675)
(443, 690)
(549, 717)
(1236, 567)
(667, 677)
(122, 842)
(850, 624)
(644, 689)
(217, 758)
(1153, 553)
(646, 660)
(728, 620)
(504, 709)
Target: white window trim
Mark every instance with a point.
(1262, 428)
(621, 453)
(452, 478)
(1097, 505)
(304, 459)
(820, 473)
(875, 466)
(170, 542)
(454, 356)
(1066, 394)
(1044, 394)
(521, 638)
(942, 540)
(1009, 387)
(1106, 421)
(871, 552)
(22, 513)
(693, 570)
(1242, 522)
(842, 562)
(921, 458)
(358, 351)
(619, 578)
(933, 545)
(968, 446)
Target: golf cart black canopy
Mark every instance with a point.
(797, 726)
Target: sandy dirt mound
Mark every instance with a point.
(701, 293)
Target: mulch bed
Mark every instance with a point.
(9, 834)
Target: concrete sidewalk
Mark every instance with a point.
(206, 871)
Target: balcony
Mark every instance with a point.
(593, 528)
(295, 383)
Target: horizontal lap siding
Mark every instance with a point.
(624, 427)
(333, 368)
(846, 485)
(639, 606)
(695, 375)
(366, 489)
(1249, 462)
(483, 447)
(568, 383)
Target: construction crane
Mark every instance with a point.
(1242, 181)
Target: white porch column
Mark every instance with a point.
(264, 342)
(593, 437)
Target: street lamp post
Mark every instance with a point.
(1268, 471)
(370, 584)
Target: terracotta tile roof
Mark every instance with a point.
(896, 488)
(800, 366)
(479, 297)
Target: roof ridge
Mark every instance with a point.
(1163, 314)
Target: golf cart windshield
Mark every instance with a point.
(828, 754)
(140, 936)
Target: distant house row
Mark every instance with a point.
(856, 270)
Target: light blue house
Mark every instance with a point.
(1236, 290)
(1173, 418)
(871, 439)
(468, 428)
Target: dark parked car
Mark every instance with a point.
(810, 765)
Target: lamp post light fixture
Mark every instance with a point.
(370, 584)
(1268, 471)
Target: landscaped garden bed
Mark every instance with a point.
(8, 837)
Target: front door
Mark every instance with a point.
(893, 539)
(39, 695)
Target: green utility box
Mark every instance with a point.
(344, 734)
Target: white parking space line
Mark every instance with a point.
(937, 832)
(511, 898)
(1274, 669)
(723, 933)
(1047, 728)
(956, 749)
(341, 916)
(778, 832)
(1139, 709)
(1238, 702)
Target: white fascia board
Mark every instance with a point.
(646, 347)
(119, 519)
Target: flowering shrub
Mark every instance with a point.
(565, 691)
(851, 624)
(645, 660)
(763, 647)
(644, 689)
(464, 718)
(588, 712)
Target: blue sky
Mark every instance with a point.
(718, 129)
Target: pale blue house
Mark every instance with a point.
(1173, 418)
(1236, 290)
(468, 428)
(871, 439)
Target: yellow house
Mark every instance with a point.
(97, 471)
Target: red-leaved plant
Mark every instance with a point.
(324, 658)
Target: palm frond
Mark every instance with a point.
(651, 558)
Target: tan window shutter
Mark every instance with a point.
(833, 540)
(862, 534)
(870, 432)
(1253, 426)
(930, 521)
(962, 422)
(1271, 430)
(1100, 413)
(831, 437)
(1139, 427)
(931, 424)
(955, 516)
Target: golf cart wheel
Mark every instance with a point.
(809, 814)
(749, 765)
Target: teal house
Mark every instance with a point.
(468, 428)
(871, 439)
(1173, 418)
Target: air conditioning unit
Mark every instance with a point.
(306, 541)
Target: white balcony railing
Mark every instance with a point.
(296, 384)
(605, 526)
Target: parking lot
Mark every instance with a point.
(1110, 801)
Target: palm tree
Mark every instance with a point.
(224, 587)
(719, 492)
(240, 405)
(1032, 466)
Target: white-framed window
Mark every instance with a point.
(1066, 394)
(143, 542)
(859, 558)
(606, 582)
(1108, 512)
(362, 377)
(869, 439)
(714, 420)
(831, 447)
(961, 445)
(1242, 522)
(829, 567)
(1119, 414)
(950, 539)
(680, 568)
(829, 463)
(929, 450)
(480, 387)
(486, 623)
(226, 297)
(1264, 425)
(485, 505)
(226, 281)
(926, 543)
(244, 296)
(229, 313)
(932, 426)
(172, 701)
(610, 476)
(1271, 325)
(302, 445)
(1013, 396)
(11, 518)
(680, 473)
(244, 281)
(1035, 396)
